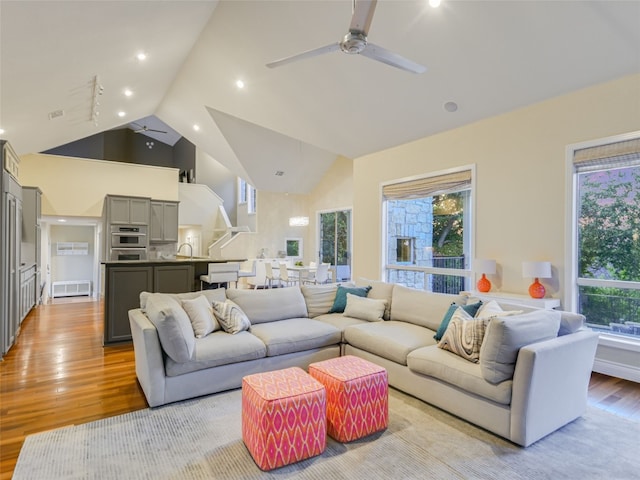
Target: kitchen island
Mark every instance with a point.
(125, 280)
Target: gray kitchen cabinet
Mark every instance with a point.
(122, 293)
(172, 278)
(164, 222)
(127, 210)
(10, 245)
(31, 236)
(27, 290)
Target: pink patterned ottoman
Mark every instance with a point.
(357, 396)
(283, 417)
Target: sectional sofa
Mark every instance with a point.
(518, 372)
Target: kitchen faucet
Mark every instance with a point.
(190, 249)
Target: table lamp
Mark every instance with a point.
(536, 270)
(485, 267)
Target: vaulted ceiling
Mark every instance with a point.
(487, 57)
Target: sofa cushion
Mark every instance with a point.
(506, 335)
(200, 312)
(471, 309)
(340, 302)
(319, 298)
(379, 290)
(493, 309)
(295, 335)
(421, 308)
(231, 317)
(219, 348)
(339, 321)
(369, 309)
(212, 295)
(391, 340)
(464, 335)
(270, 305)
(570, 322)
(173, 326)
(454, 370)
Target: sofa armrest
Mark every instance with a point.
(550, 385)
(149, 357)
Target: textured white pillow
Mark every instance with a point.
(370, 309)
(492, 309)
(464, 335)
(319, 298)
(231, 317)
(200, 313)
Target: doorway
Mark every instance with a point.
(335, 241)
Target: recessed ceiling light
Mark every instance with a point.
(451, 107)
(62, 220)
(196, 127)
(434, 3)
(121, 114)
(240, 84)
(127, 92)
(1, 131)
(141, 56)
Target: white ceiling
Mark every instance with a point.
(488, 57)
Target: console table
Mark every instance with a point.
(545, 303)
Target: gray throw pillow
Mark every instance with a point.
(173, 326)
(505, 336)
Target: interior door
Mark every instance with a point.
(335, 242)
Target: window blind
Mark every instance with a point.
(428, 186)
(612, 155)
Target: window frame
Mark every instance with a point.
(469, 233)
(571, 281)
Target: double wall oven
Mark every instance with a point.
(128, 242)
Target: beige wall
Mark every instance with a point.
(520, 182)
(77, 187)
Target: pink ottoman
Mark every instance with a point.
(357, 396)
(283, 417)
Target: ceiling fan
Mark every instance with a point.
(144, 129)
(355, 42)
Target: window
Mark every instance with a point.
(606, 255)
(247, 195)
(428, 231)
(335, 241)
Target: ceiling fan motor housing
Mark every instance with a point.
(353, 43)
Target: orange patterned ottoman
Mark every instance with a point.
(357, 396)
(283, 417)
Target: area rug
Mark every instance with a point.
(201, 439)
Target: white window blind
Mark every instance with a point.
(428, 186)
(612, 155)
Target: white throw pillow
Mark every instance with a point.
(492, 309)
(173, 325)
(370, 309)
(200, 313)
(231, 317)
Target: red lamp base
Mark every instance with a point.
(483, 285)
(536, 289)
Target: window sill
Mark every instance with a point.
(620, 342)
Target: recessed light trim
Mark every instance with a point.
(434, 3)
(240, 84)
(1, 131)
(279, 173)
(122, 114)
(196, 127)
(128, 92)
(142, 56)
(451, 107)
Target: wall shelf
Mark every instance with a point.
(72, 248)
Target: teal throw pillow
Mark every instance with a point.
(471, 309)
(340, 302)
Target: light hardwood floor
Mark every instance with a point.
(58, 374)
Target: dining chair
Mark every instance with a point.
(321, 274)
(284, 275)
(268, 275)
(248, 273)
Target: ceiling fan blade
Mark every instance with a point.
(383, 55)
(308, 54)
(362, 16)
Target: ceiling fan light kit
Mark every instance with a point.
(355, 42)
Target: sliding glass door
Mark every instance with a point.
(335, 241)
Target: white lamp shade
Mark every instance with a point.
(484, 266)
(536, 269)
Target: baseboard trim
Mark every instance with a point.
(618, 370)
